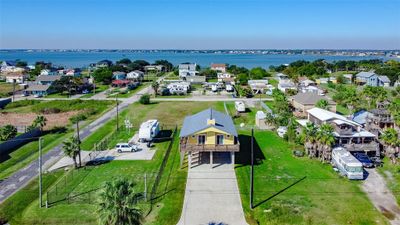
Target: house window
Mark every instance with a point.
(220, 139)
(201, 139)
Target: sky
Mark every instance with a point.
(200, 24)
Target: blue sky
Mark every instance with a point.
(200, 24)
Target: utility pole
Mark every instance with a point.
(116, 99)
(252, 170)
(79, 142)
(40, 172)
(145, 187)
(13, 96)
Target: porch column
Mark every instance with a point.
(211, 159)
(233, 159)
(190, 159)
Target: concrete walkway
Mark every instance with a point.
(380, 196)
(212, 197)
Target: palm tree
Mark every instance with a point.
(325, 141)
(323, 104)
(309, 133)
(118, 203)
(391, 138)
(40, 122)
(71, 148)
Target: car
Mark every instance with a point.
(281, 131)
(37, 95)
(364, 159)
(126, 147)
(24, 94)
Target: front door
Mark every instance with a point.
(220, 139)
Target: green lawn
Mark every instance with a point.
(170, 194)
(291, 190)
(342, 110)
(128, 93)
(7, 88)
(58, 95)
(99, 88)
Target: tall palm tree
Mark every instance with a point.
(118, 203)
(71, 149)
(309, 133)
(325, 141)
(391, 138)
(40, 122)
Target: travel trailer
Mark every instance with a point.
(148, 130)
(240, 106)
(229, 87)
(347, 164)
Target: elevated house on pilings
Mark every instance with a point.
(379, 119)
(208, 137)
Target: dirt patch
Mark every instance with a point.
(26, 119)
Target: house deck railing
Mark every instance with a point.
(209, 148)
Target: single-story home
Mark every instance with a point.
(372, 79)
(38, 90)
(305, 101)
(157, 68)
(47, 79)
(19, 78)
(258, 86)
(118, 75)
(48, 72)
(136, 75)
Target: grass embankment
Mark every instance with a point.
(289, 190)
(117, 93)
(6, 89)
(170, 195)
(391, 173)
(22, 156)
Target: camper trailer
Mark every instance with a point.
(214, 88)
(240, 106)
(229, 87)
(347, 164)
(148, 130)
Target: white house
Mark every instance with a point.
(219, 67)
(19, 78)
(10, 67)
(311, 89)
(225, 77)
(285, 85)
(48, 72)
(258, 86)
(136, 74)
(282, 77)
(187, 69)
(179, 87)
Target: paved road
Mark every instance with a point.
(22, 177)
(212, 197)
(380, 195)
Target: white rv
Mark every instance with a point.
(148, 130)
(240, 106)
(229, 87)
(347, 164)
(214, 88)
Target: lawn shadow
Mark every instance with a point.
(163, 135)
(243, 157)
(279, 192)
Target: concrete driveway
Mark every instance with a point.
(212, 197)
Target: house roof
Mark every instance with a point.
(325, 115)
(218, 65)
(365, 74)
(360, 117)
(48, 78)
(309, 98)
(38, 87)
(384, 79)
(198, 122)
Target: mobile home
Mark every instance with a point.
(347, 164)
(149, 130)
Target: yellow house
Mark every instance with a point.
(209, 135)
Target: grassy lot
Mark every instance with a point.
(29, 152)
(7, 88)
(170, 193)
(128, 93)
(391, 173)
(58, 95)
(291, 190)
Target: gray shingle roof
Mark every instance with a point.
(198, 122)
(48, 78)
(310, 98)
(38, 87)
(384, 79)
(365, 74)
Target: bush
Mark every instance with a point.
(50, 110)
(79, 117)
(7, 132)
(145, 99)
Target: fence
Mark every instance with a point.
(20, 140)
(105, 142)
(156, 183)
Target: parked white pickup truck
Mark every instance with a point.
(126, 147)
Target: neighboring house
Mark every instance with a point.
(372, 79)
(282, 77)
(325, 80)
(360, 117)
(38, 90)
(349, 77)
(285, 85)
(258, 86)
(118, 75)
(225, 77)
(49, 72)
(379, 119)
(347, 133)
(397, 83)
(311, 89)
(302, 102)
(73, 72)
(120, 83)
(187, 69)
(219, 67)
(10, 67)
(102, 64)
(47, 79)
(135, 75)
(19, 78)
(208, 134)
(156, 68)
(178, 87)
(305, 82)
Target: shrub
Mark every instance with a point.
(7, 132)
(79, 117)
(145, 99)
(21, 103)
(50, 110)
